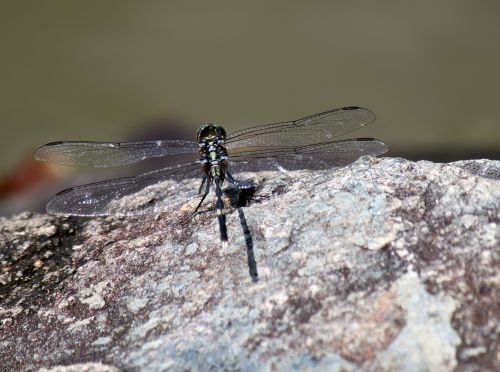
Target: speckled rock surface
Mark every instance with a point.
(383, 265)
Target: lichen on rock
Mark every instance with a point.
(385, 264)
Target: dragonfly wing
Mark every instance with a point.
(317, 156)
(109, 154)
(161, 190)
(323, 127)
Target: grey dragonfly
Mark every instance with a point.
(307, 143)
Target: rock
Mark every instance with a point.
(84, 367)
(386, 264)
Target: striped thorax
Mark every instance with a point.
(213, 154)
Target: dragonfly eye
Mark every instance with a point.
(210, 132)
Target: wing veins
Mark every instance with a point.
(105, 154)
(93, 199)
(318, 128)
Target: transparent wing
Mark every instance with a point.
(316, 156)
(317, 128)
(160, 190)
(109, 154)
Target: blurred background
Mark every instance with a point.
(130, 70)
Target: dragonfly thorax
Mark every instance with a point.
(213, 154)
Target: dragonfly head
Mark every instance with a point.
(210, 132)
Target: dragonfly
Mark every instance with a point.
(308, 143)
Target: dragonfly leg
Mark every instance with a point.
(207, 190)
(221, 216)
(202, 182)
(239, 184)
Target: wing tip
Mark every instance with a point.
(54, 209)
(382, 146)
(54, 205)
(51, 208)
(38, 153)
(41, 152)
(372, 115)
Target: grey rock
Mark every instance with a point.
(84, 367)
(386, 265)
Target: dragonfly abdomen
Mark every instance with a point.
(213, 159)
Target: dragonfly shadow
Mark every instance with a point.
(239, 199)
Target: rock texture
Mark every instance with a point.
(383, 265)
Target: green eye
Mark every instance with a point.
(210, 131)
